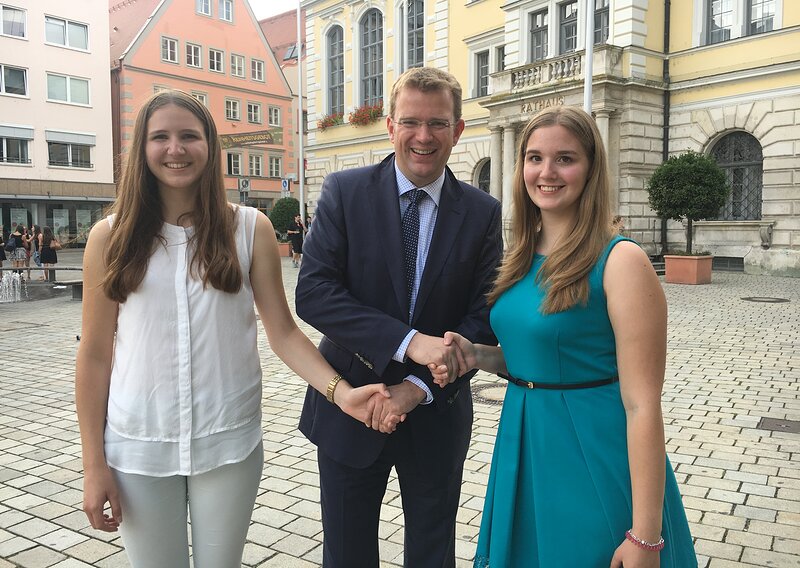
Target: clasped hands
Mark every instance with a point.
(446, 357)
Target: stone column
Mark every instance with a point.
(496, 163)
(602, 118)
(509, 157)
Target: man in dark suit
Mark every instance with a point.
(400, 253)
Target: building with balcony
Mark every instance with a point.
(216, 51)
(717, 77)
(56, 165)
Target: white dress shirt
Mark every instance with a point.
(428, 208)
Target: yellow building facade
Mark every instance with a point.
(720, 77)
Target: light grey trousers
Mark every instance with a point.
(220, 505)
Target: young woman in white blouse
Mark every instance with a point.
(169, 406)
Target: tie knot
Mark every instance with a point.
(414, 195)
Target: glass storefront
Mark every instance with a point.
(70, 222)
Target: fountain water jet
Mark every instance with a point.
(11, 288)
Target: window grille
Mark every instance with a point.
(739, 155)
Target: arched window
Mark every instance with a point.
(484, 175)
(739, 155)
(372, 58)
(336, 70)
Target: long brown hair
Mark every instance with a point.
(138, 209)
(47, 236)
(565, 271)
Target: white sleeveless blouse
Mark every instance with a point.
(185, 392)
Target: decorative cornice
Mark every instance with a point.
(741, 75)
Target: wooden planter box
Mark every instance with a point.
(680, 269)
(285, 249)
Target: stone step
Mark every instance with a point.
(659, 267)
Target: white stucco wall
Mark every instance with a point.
(34, 111)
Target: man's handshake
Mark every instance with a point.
(446, 357)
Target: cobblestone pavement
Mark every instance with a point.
(731, 363)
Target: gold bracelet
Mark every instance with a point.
(332, 387)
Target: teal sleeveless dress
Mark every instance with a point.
(559, 490)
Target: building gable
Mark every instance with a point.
(182, 27)
(127, 21)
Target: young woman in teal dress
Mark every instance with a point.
(579, 475)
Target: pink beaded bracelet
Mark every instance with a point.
(654, 547)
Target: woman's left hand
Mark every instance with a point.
(628, 555)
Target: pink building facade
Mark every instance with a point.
(216, 51)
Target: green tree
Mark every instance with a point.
(283, 212)
(689, 186)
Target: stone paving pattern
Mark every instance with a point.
(731, 362)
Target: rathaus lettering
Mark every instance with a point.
(536, 106)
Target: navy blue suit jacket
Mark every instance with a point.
(352, 288)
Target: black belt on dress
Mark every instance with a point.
(558, 386)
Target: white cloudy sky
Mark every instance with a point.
(266, 8)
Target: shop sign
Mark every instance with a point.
(271, 136)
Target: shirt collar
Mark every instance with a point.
(433, 189)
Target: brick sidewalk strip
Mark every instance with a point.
(731, 362)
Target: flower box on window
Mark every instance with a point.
(366, 114)
(329, 120)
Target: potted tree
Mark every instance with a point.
(282, 215)
(693, 187)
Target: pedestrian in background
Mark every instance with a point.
(168, 377)
(34, 248)
(3, 238)
(28, 245)
(19, 253)
(48, 245)
(296, 233)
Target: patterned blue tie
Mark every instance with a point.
(410, 225)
